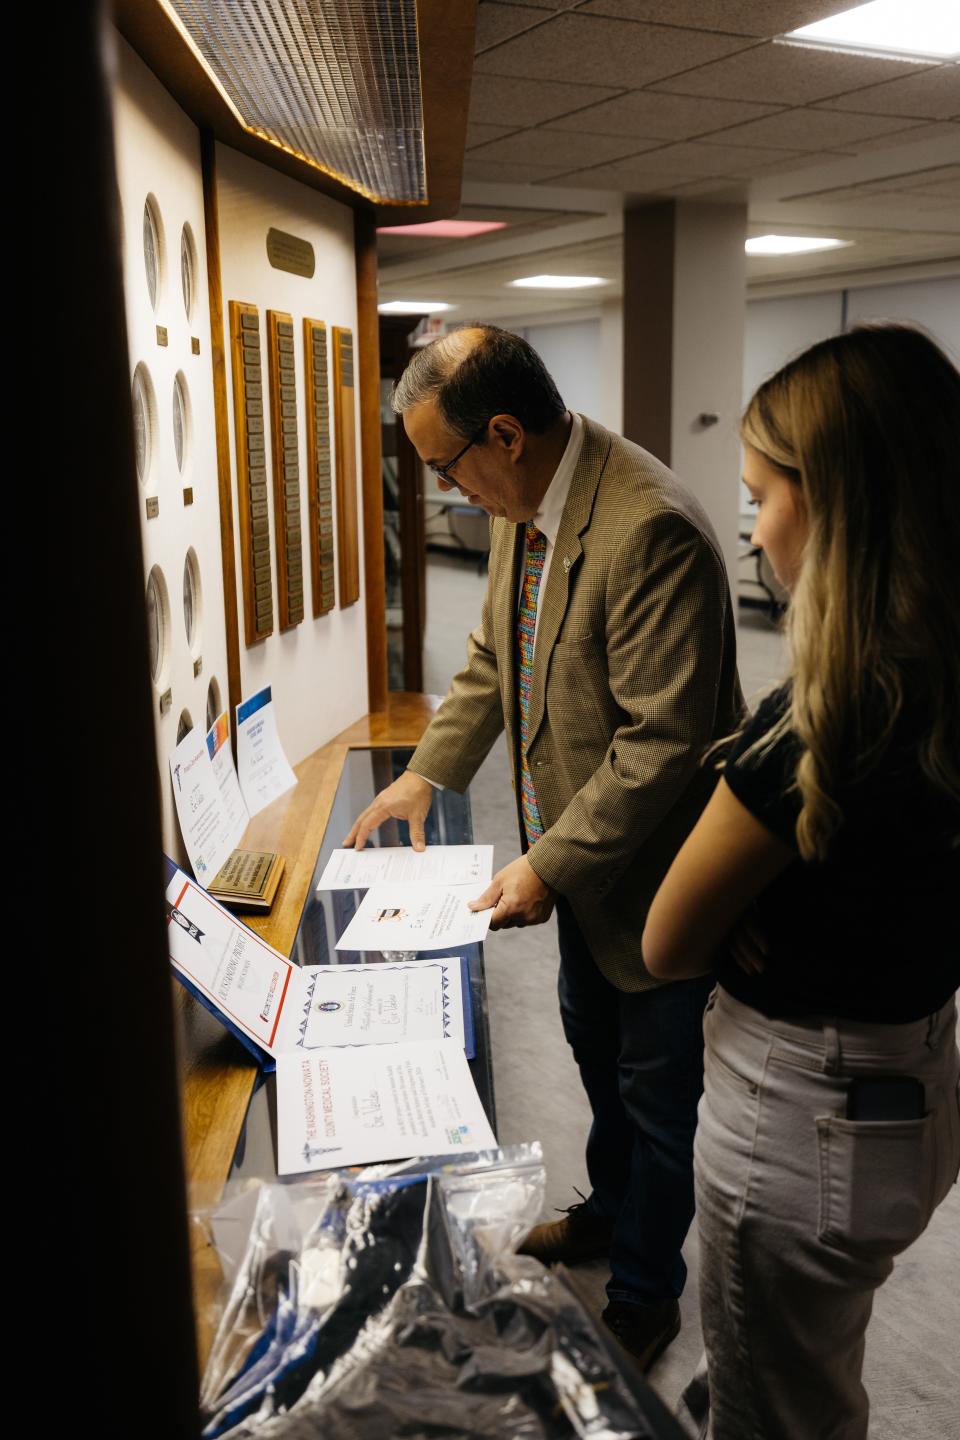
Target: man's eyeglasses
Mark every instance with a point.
(443, 471)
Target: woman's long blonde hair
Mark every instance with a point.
(867, 424)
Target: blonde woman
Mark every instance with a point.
(822, 884)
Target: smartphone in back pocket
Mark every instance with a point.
(886, 1097)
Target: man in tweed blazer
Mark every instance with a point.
(633, 675)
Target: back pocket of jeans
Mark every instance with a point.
(875, 1182)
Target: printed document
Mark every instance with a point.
(263, 769)
(383, 1102)
(211, 831)
(416, 917)
(438, 864)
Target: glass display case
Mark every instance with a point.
(326, 915)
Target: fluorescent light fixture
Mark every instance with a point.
(558, 282)
(929, 28)
(445, 229)
(413, 307)
(792, 244)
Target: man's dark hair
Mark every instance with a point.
(501, 374)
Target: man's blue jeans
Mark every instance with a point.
(641, 1063)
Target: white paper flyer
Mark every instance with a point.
(401, 864)
(262, 768)
(382, 1102)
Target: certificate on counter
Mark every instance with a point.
(437, 865)
(249, 986)
(402, 916)
(210, 830)
(382, 1102)
(221, 758)
(264, 771)
(380, 1004)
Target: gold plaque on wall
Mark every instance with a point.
(251, 471)
(348, 540)
(319, 484)
(286, 468)
(291, 253)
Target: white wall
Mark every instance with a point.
(158, 153)
(934, 304)
(317, 669)
(571, 352)
(777, 330)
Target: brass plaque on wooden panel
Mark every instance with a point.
(153, 507)
(291, 253)
(251, 474)
(286, 467)
(344, 419)
(319, 490)
(162, 335)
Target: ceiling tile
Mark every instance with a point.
(660, 116)
(605, 52)
(934, 95)
(733, 17)
(784, 74)
(510, 102)
(478, 134)
(617, 177)
(695, 161)
(911, 135)
(511, 174)
(559, 147)
(809, 130)
(498, 22)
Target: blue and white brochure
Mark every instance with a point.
(262, 768)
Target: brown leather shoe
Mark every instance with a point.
(580, 1235)
(644, 1331)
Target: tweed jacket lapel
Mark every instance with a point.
(567, 553)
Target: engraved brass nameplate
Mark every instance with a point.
(195, 344)
(162, 335)
(188, 494)
(153, 507)
(291, 253)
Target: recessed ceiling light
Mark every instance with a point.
(890, 27)
(445, 229)
(559, 282)
(413, 307)
(791, 244)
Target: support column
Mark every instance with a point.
(684, 278)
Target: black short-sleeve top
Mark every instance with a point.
(873, 932)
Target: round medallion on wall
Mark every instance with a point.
(144, 421)
(181, 420)
(214, 703)
(153, 248)
(158, 626)
(188, 270)
(192, 600)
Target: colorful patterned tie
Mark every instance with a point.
(526, 623)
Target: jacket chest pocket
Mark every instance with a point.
(578, 692)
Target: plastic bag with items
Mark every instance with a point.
(391, 1304)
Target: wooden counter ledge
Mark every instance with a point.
(217, 1076)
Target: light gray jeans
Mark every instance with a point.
(801, 1211)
